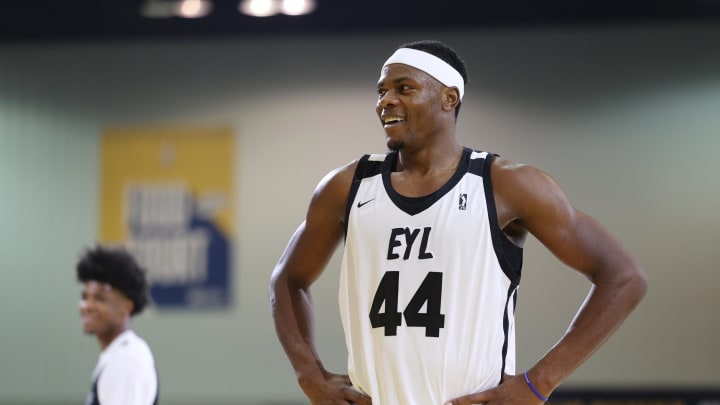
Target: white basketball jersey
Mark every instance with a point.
(125, 373)
(427, 287)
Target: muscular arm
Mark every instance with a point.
(535, 203)
(302, 262)
(529, 201)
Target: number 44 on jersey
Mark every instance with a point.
(429, 292)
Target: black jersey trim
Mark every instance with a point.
(512, 294)
(364, 169)
(92, 398)
(416, 205)
(509, 255)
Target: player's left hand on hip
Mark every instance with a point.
(511, 391)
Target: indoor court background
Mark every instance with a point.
(625, 117)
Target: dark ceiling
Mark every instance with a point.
(24, 21)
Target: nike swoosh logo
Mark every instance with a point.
(361, 203)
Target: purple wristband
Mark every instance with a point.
(537, 394)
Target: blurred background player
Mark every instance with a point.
(114, 290)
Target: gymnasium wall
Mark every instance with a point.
(625, 118)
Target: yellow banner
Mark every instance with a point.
(167, 194)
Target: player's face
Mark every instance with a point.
(408, 104)
(103, 309)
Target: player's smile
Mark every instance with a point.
(389, 120)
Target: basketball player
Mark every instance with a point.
(114, 290)
(433, 235)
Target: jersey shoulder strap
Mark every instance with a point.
(368, 165)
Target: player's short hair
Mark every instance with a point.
(115, 266)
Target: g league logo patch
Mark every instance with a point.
(462, 202)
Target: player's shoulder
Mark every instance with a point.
(367, 161)
(340, 178)
(128, 365)
(132, 348)
(517, 174)
(526, 188)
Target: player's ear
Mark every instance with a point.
(450, 98)
(128, 305)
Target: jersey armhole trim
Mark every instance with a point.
(354, 186)
(508, 254)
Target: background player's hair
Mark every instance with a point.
(443, 52)
(119, 269)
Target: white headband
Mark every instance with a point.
(430, 64)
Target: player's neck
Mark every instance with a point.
(438, 158)
(105, 339)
